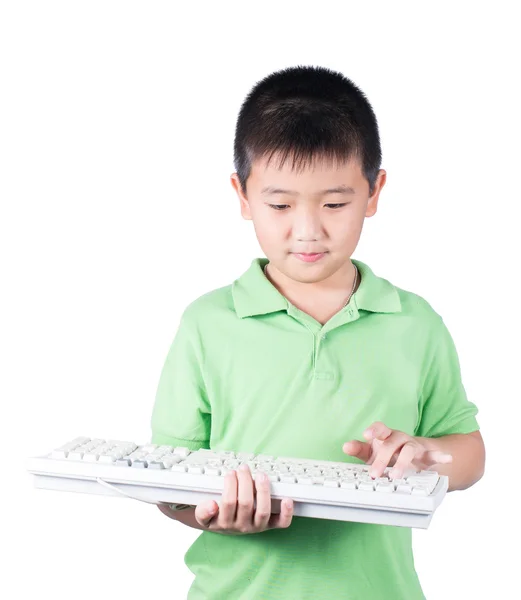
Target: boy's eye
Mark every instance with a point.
(283, 206)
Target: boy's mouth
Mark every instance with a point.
(309, 256)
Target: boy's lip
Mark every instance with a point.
(309, 256)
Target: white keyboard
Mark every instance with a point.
(320, 489)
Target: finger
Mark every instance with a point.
(263, 499)
(389, 447)
(377, 430)
(284, 518)
(228, 506)
(244, 517)
(206, 512)
(361, 450)
(410, 451)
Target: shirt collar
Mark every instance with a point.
(253, 293)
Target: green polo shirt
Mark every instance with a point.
(249, 372)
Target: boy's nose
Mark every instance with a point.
(307, 227)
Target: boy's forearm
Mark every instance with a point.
(468, 459)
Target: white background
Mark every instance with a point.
(117, 125)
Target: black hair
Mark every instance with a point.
(309, 112)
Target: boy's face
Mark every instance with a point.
(308, 220)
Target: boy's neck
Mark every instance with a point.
(322, 299)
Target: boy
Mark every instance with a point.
(304, 354)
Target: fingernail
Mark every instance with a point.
(244, 467)
(288, 504)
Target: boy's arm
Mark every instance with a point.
(446, 423)
(181, 415)
(447, 419)
(468, 458)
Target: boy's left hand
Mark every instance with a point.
(391, 447)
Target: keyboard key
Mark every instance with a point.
(148, 448)
(288, 479)
(90, 457)
(385, 487)
(75, 455)
(314, 472)
(366, 486)
(182, 451)
(80, 440)
(264, 466)
(179, 468)
(331, 482)
(305, 480)
(212, 471)
(59, 454)
(153, 464)
(245, 456)
(349, 485)
(226, 454)
(106, 458)
(195, 469)
(399, 481)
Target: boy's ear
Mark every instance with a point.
(245, 205)
(372, 203)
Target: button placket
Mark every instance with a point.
(321, 375)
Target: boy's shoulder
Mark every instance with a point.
(210, 305)
(420, 312)
(415, 304)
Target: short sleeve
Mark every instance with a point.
(181, 415)
(444, 408)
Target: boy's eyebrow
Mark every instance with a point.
(341, 189)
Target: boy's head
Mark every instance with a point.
(302, 131)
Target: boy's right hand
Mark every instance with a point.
(236, 513)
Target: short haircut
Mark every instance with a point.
(309, 113)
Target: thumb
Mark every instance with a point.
(205, 512)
